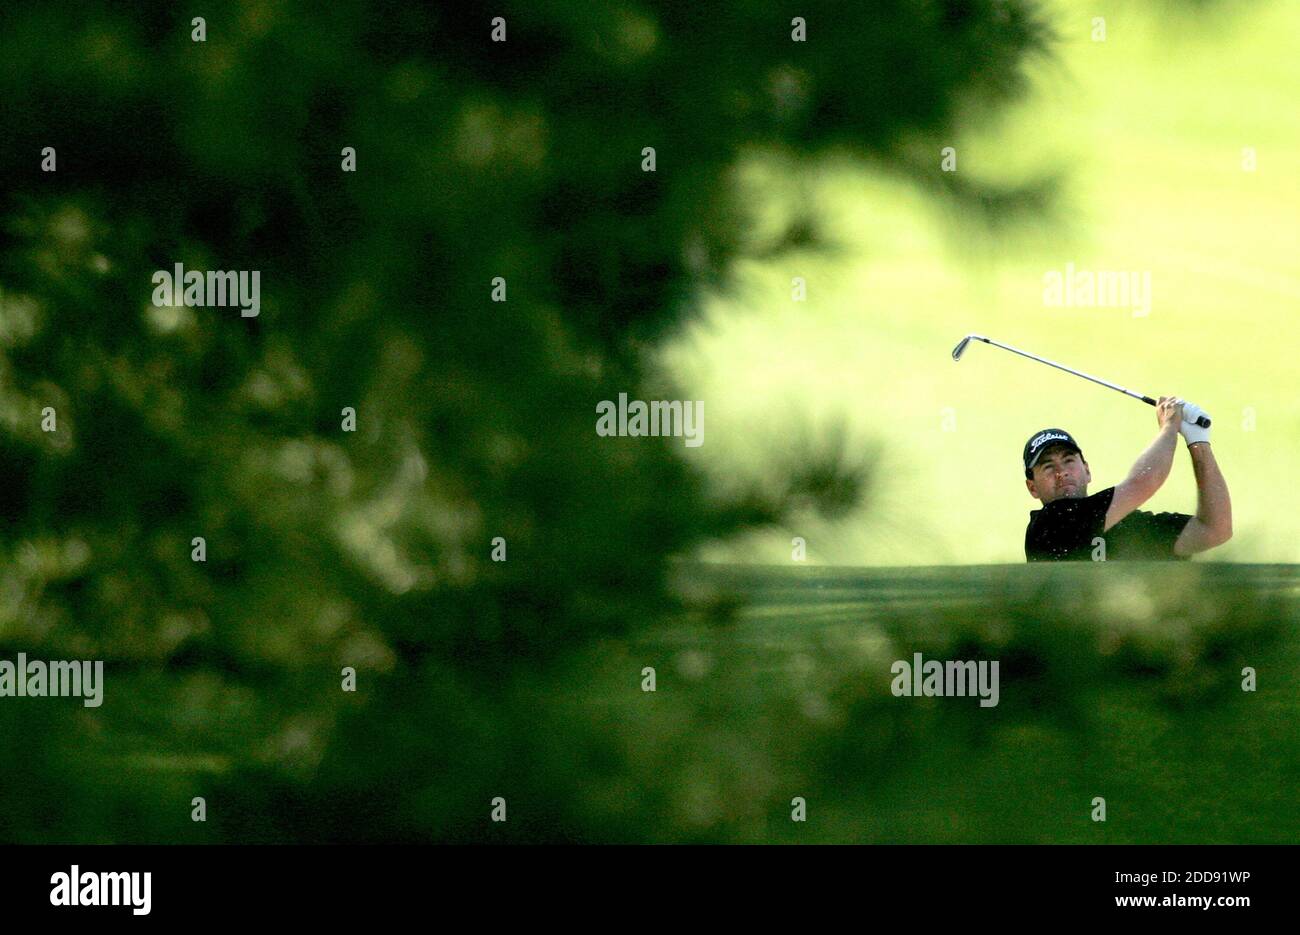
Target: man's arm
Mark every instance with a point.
(1212, 524)
(1152, 468)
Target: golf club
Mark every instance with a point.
(1203, 421)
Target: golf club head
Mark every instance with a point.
(961, 347)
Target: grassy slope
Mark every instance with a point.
(1130, 690)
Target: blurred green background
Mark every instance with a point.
(476, 419)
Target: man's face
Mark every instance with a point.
(1060, 472)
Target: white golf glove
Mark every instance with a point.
(1189, 429)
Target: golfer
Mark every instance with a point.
(1105, 526)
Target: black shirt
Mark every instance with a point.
(1064, 530)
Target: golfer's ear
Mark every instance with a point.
(1029, 485)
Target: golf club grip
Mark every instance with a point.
(1203, 421)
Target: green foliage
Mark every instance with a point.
(475, 418)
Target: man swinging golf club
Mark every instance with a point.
(1073, 525)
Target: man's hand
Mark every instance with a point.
(1169, 411)
(1192, 432)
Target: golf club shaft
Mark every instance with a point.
(1203, 421)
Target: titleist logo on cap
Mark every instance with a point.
(1047, 437)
